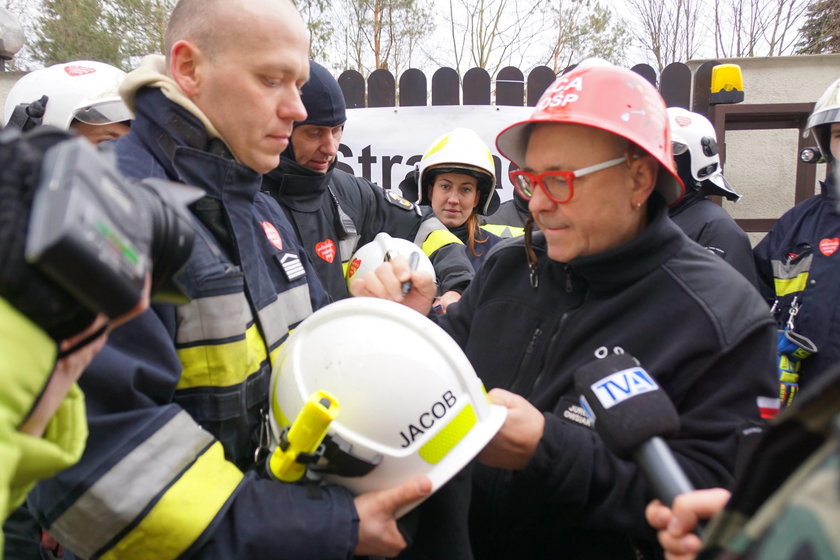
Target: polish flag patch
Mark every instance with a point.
(273, 235)
(77, 70)
(354, 266)
(682, 121)
(828, 246)
(326, 250)
(768, 407)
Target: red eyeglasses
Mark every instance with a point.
(558, 186)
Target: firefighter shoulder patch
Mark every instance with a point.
(398, 201)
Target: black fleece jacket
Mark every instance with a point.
(694, 323)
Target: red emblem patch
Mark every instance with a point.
(828, 246)
(354, 266)
(326, 250)
(682, 121)
(273, 235)
(76, 70)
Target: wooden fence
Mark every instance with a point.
(512, 88)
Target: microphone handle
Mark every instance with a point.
(661, 469)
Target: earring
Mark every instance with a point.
(637, 206)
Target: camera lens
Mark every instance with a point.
(172, 234)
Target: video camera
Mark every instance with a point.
(93, 234)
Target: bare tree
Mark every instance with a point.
(319, 20)
(757, 27)
(667, 28)
(583, 28)
(382, 33)
(491, 33)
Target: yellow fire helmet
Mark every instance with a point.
(458, 151)
(408, 401)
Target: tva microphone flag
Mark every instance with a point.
(632, 414)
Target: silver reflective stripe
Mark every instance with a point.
(346, 247)
(290, 308)
(121, 494)
(213, 318)
(426, 229)
(788, 272)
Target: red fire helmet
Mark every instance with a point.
(610, 98)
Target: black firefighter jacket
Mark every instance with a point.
(693, 322)
(336, 213)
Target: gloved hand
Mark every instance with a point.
(792, 348)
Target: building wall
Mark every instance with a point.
(760, 164)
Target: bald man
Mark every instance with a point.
(177, 399)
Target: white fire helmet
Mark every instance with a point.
(410, 402)
(826, 112)
(458, 151)
(371, 255)
(84, 90)
(693, 133)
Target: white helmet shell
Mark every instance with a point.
(826, 112)
(410, 402)
(369, 256)
(459, 149)
(84, 89)
(695, 134)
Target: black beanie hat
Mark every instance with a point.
(323, 98)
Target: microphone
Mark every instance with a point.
(632, 414)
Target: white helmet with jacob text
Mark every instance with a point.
(408, 401)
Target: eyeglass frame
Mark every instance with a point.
(568, 176)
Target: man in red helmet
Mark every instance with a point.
(607, 273)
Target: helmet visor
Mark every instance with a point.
(825, 116)
(103, 113)
(679, 148)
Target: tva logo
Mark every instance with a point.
(622, 385)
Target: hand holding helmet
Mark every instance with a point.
(381, 269)
(403, 414)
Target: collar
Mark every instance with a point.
(181, 144)
(296, 186)
(828, 190)
(689, 199)
(461, 232)
(152, 73)
(621, 266)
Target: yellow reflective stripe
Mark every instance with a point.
(790, 286)
(124, 492)
(273, 355)
(442, 442)
(432, 235)
(503, 230)
(279, 416)
(290, 308)
(222, 365)
(184, 512)
(213, 318)
(438, 239)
